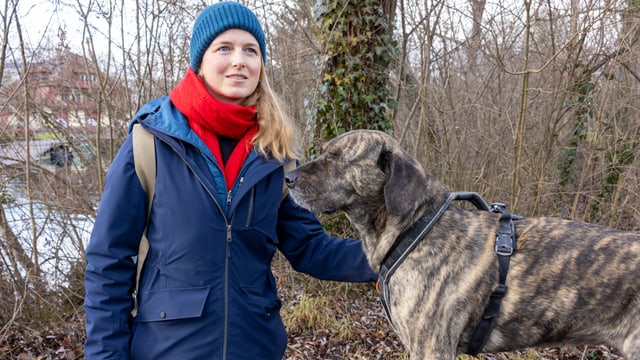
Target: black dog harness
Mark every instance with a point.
(505, 246)
(408, 240)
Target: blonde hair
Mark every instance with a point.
(277, 133)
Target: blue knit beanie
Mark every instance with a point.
(218, 18)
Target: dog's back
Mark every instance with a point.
(571, 282)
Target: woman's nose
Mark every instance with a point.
(238, 60)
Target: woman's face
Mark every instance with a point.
(231, 66)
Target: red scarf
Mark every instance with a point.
(209, 117)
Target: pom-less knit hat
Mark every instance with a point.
(218, 18)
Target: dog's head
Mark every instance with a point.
(358, 172)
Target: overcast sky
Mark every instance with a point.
(42, 20)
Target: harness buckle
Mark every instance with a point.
(497, 207)
(499, 291)
(504, 244)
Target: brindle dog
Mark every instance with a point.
(568, 282)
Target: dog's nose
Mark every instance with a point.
(290, 179)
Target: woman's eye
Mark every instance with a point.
(251, 50)
(224, 49)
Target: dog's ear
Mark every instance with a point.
(405, 178)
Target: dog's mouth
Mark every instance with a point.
(311, 203)
(328, 211)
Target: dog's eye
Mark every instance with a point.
(333, 153)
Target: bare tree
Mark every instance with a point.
(532, 103)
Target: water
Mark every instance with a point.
(61, 237)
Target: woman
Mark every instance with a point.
(217, 218)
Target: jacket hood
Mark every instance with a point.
(170, 121)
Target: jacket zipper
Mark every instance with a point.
(227, 246)
(227, 250)
(226, 293)
(251, 203)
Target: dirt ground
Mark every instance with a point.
(358, 330)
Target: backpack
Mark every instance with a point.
(144, 158)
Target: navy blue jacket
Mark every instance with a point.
(207, 290)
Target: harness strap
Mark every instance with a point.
(396, 256)
(505, 246)
(408, 240)
(144, 158)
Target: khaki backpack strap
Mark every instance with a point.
(144, 158)
(289, 166)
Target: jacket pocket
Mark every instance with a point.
(172, 304)
(266, 306)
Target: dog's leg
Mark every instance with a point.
(631, 345)
(428, 335)
(422, 352)
(421, 355)
(425, 335)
